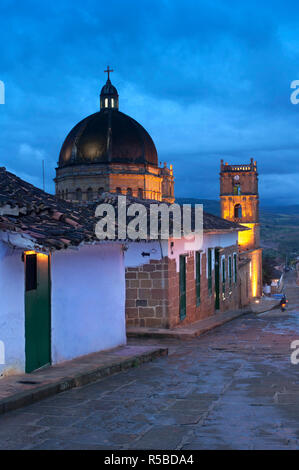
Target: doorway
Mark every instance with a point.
(217, 278)
(37, 311)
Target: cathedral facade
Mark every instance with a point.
(111, 152)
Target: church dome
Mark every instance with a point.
(108, 136)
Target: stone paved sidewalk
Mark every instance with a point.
(190, 331)
(20, 390)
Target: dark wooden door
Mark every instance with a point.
(37, 311)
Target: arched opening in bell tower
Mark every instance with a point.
(238, 211)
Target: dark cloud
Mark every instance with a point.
(208, 81)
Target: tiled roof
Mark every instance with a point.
(41, 217)
(52, 223)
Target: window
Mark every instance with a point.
(78, 194)
(129, 192)
(182, 287)
(112, 102)
(106, 102)
(230, 273)
(140, 193)
(100, 191)
(89, 194)
(118, 190)
(223, 275)
(197, 279)
(237, 189)
(210, 271)
(235, 268)
(31, 272)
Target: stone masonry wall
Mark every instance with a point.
(147, 295)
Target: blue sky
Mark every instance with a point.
(208, 80)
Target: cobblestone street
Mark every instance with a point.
(233, 388)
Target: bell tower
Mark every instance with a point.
(240, 203)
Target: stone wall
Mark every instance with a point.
(147, 295)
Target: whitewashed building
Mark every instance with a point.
(58, 295)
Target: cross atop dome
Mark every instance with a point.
(109, 70)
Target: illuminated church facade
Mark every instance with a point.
(111, 152)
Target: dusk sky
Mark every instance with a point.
(208, 80)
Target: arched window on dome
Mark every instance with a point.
(89, 194)
(140, 193)
(78, 194)
(118, 190)
(112, 102)
(106, 102)
(129, 192)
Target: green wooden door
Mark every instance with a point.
(217, 279)
(182, 287)
(37, 311)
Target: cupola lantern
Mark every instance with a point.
(109, 95)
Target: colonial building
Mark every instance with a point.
(62, 291)
(110, 151)
(240, 203)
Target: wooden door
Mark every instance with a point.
(37, 311)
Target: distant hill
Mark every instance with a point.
(279, 226)
(290, 210)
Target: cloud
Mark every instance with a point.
(207, 81)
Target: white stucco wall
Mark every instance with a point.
(198, 242)
(134, 250)
(222, 239)
(173, 248)
(12, 310)
(88, 300)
